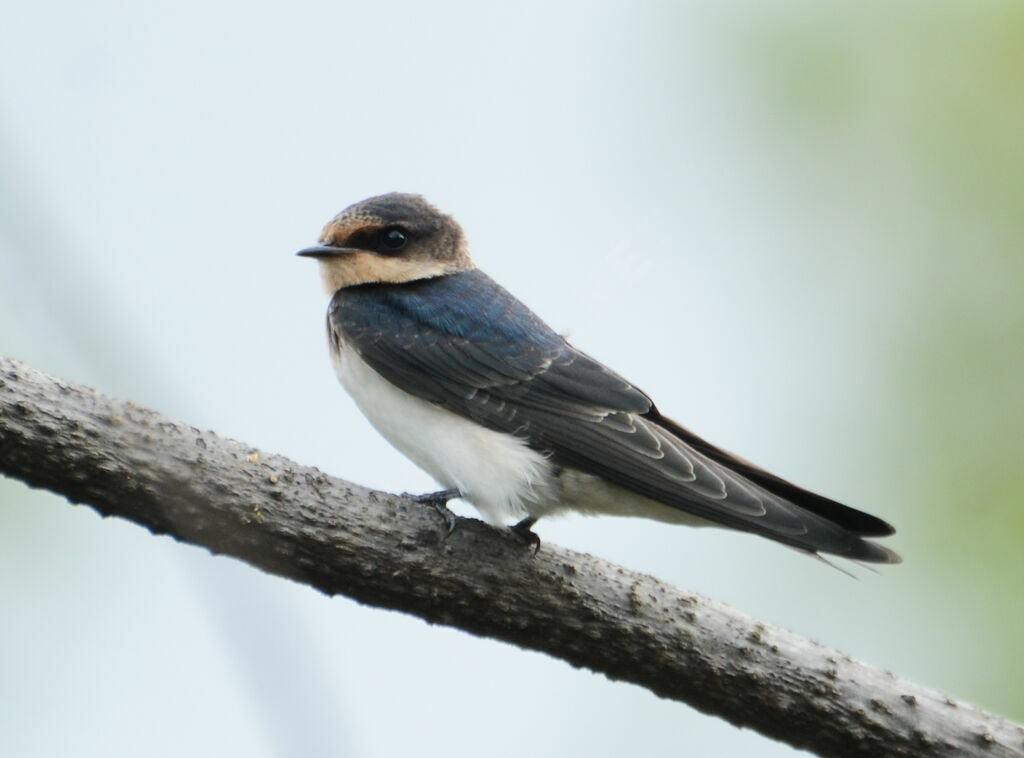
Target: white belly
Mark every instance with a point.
(497, 472)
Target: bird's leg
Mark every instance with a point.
(524, 531)
(439, 500)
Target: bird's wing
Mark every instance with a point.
(465, 343)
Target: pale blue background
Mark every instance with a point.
(797, 227)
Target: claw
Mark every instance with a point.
(439, 501)
(524, 531)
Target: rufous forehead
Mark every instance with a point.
(340, 228)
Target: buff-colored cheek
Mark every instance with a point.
(364, 268)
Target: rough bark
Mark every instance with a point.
(388, 551)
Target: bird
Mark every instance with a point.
(503, 412)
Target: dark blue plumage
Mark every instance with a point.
(486, 338)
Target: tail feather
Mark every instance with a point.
(854, 525)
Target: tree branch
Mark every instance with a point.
(386, 550)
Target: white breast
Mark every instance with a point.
(497, 472)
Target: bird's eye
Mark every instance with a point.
(392, 239)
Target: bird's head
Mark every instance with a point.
(389, 238)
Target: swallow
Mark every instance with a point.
(503, 412)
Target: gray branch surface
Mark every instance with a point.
(386, 550)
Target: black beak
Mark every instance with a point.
(324, 251)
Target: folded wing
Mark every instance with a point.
(465, 343)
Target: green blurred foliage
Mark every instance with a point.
(919, 109)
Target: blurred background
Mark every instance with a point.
(797, 226)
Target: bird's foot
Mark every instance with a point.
(439, 501)
(524, 530)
